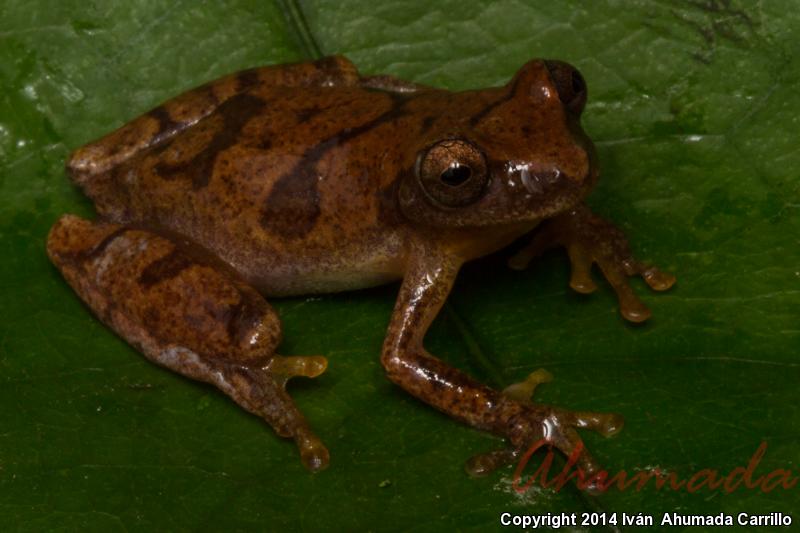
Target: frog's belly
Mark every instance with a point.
(276, 269)
(321, 282)
(288, 278)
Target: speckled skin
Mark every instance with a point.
(309, 178)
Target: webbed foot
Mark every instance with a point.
(591, 240)
(545, 424)
(261, 389)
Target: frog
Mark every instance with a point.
(311, 178)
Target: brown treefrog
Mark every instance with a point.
(309, 178)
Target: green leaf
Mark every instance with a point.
(693, 107)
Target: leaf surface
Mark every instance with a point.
(693, 107)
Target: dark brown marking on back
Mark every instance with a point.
(112, 197)
(247, 79)
(236, 113)
(427, 122)
(167, 127)
(292, 207)
(329, 64)
(326, 63)
(304, 115)
(165, 268)
(497, 103)
(389, 213)
(243, 317)
(98, 249)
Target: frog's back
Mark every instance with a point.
(281, 183)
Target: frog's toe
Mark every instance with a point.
(606, 424)
(581, 276)
(313, 453)
(618, 269)
(523, 391)
(283, 368)
(656, 279)
(630, 306)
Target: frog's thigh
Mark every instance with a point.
(189, 316)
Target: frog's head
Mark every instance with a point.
(506, 155)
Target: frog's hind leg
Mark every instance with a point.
(189, 315)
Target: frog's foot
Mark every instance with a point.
(541, 424)
(260, 387)
(589, 239)
(189, 315)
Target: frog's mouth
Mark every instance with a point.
(523, 192)
(562, 196)
(550, 195)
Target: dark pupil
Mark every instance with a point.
(577, 83)
(455, 176)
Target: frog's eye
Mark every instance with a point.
(569, 83)
(453, 172)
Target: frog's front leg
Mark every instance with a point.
(590, 239)
(190, 315)
(424, 289)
